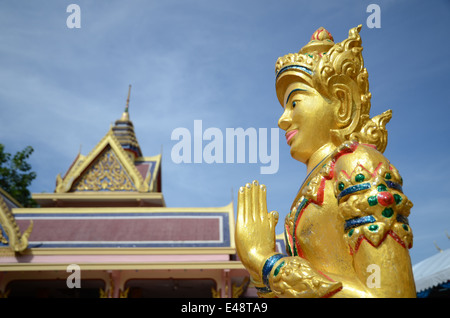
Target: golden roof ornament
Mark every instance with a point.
(124, 132)
(14, 238)
(125, 114)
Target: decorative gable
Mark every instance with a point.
(105, 174)
(149, 168)
(109, 167)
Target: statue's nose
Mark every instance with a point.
(285, 120)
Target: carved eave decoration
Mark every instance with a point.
(108, 167)
(152, 179)
(10, 235)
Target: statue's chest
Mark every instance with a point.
(313, 216)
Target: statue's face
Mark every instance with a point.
(307, 119)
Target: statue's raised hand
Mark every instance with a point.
(255, 228)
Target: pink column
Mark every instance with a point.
(226, 286)
(115, 279)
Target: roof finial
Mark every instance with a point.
(128, 98)
(125, 115)
(437, 247)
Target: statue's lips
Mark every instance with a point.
(290, 134)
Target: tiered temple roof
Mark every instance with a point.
(108, 216)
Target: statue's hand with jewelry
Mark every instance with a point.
(272, 274)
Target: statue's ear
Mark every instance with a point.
(343, 113)
(344, 92)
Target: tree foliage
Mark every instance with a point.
(16, 175)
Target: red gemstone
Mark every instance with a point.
(385, 198)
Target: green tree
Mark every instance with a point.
(16, 175)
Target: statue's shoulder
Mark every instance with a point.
(350, 163)
(351, 154)
(357, 167)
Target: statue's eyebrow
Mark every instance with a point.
(293, 91)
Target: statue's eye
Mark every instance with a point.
(294, 104)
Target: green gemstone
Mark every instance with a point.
(381, 188)
(359, 177)
(388, 175)
(372, 200)
(350, 233)
(405, 227)
(277, 270)
(373, 228)
(398, 198)
(341, 186)
(387, 213)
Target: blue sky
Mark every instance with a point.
(61, 88)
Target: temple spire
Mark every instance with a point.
(124, 131)
(125, 114)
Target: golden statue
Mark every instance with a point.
(347, 233)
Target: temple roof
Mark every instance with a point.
(109, 167)
(9, 200)
(108, 213)
(115, 165)
(432, 271)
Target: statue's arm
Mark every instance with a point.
(273, 274)
(376, 229)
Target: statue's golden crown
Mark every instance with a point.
(322, 62)
(321, 42)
